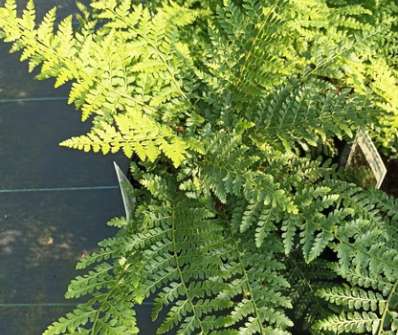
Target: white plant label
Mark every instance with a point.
(362, 149)
(127, 191)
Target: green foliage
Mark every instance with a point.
(368, 305)
(223, 107)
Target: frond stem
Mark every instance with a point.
(252, 300)
(180, 274)
(383, 317)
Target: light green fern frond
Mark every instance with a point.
(133, 61)
(134, 134)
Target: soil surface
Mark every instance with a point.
(390, 184)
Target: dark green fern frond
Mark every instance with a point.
(319, 105)
(305, 280)
(368, 262)
(258, 289)
(365, 310)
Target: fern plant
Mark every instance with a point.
(222, 106)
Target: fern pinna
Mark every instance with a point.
(223, 106)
